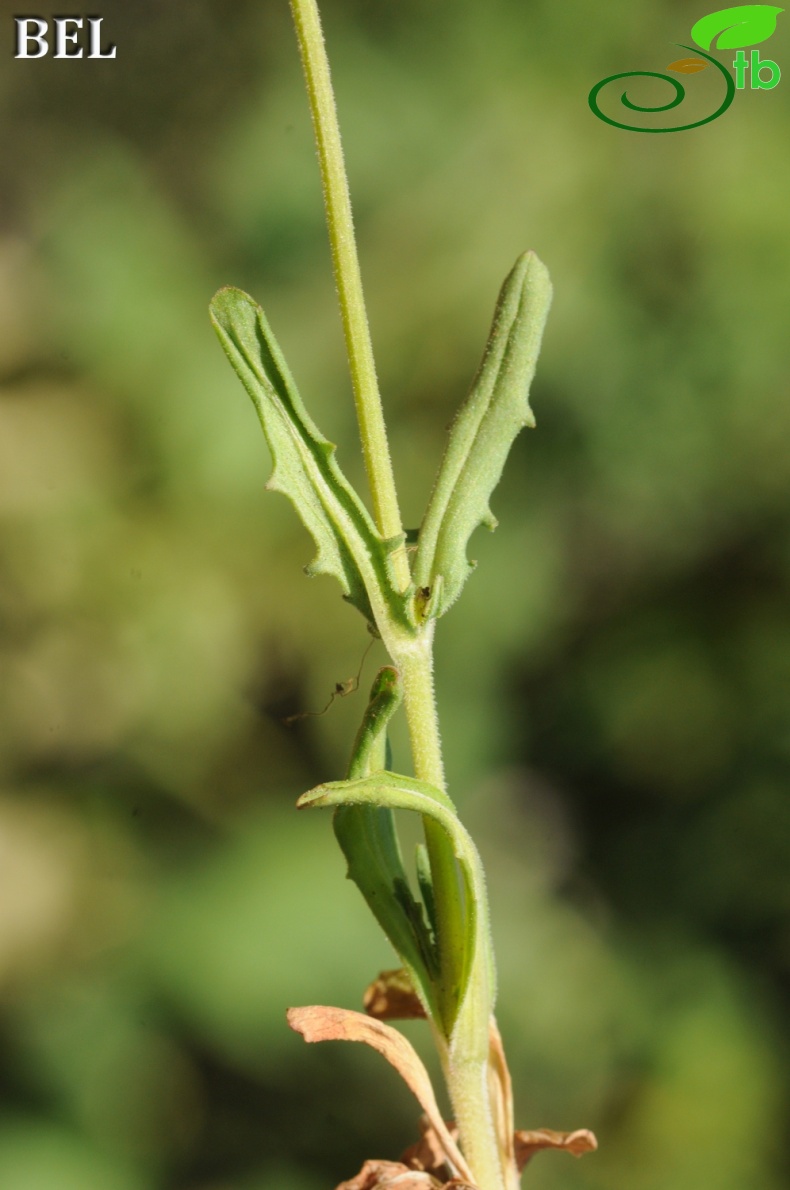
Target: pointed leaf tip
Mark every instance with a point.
(482, 434)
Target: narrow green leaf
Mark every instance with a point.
(746, 24)
(369, 841)
(481, 437)
(395, 792)
(369, 751)
(348, 543)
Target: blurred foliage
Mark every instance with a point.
(614, 686)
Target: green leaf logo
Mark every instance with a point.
(747, 24)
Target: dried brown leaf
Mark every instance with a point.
(688, 65)
(428, 1153)
(391, 997)
(389, 1175)
(529, 1143)
(502, 1088)
(318, 1022)
(411, 1180)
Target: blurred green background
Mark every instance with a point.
(614, 686)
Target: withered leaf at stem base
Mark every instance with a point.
(319, 1022)
(427, 1154)
(380, 1175)
(501, 1093)
(529, 1143)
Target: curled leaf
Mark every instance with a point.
(688, 65)
(305, 469)
(318, 1022)
(367, 836)
(393, 791)
(745, 24)
(529, 1143)
(481, 437)
(389, 1175)
(386, 695)
(422, 1167)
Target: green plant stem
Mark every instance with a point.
(348, 279)
(464, 1043)
(467, 1077)
(416, 670)
(466, 1060)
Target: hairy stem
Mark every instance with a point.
(463, 1040)
(465, 1059)
(416, 670)
(348, 279)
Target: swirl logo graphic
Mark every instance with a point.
(731, 29)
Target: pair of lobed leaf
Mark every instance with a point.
(347, 541)
(350, 547)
